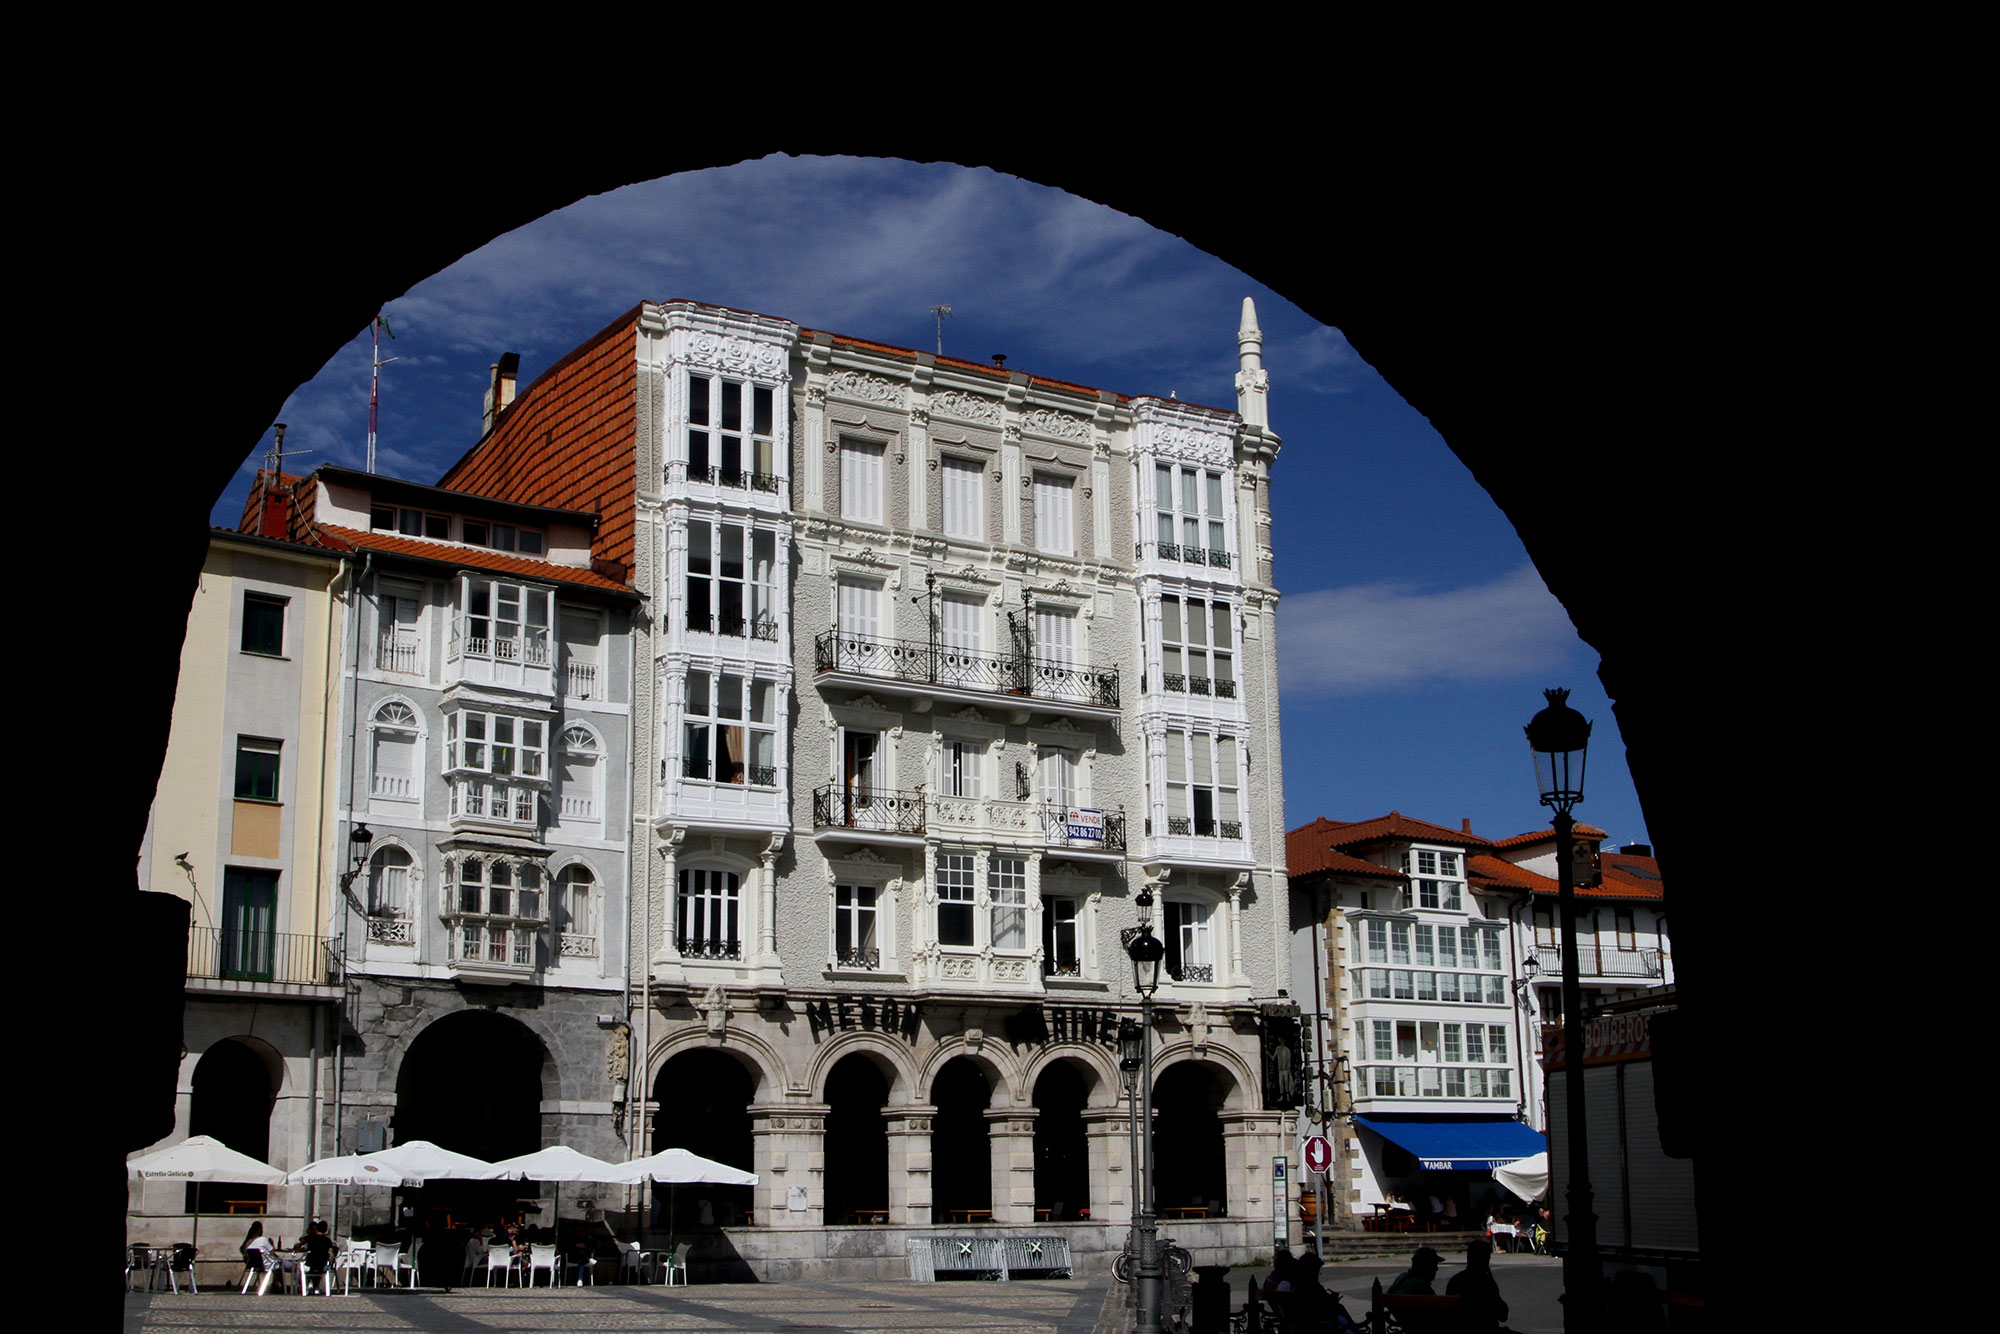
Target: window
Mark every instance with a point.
(1190, 515)
(500, 911)
(964, 504)
(1378, 941)
(264, 625)
(955, 895)
(1055, 519)
(486, 754)
(964, 768)
(730, 728)
(723, 448)
(1197, 647)
(1202, 785)
(582, 670)
(257, 768)
(248, 943)
(858, 610)
(1628, 938)
(580, 755)
(576, 897)
(1007, 892)
(502, 621)
(1060, 953)
(1190, 946)
(708, 919)
(854, 939)
(411, 523)
(390, 905)
(1055, 637)
(1056, 771)
(399, 632)
(726, 596)
(397, 773)
(861, 481)
(961, 618)
(1545, 926)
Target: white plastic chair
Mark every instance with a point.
(409, 1262)
(389, 1258)
(356, 1256)
(631, 1258)
(677, 1264)
(499, 1259)
(540, 1257)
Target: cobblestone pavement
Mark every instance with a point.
(1053, 1306)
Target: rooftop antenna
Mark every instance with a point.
(377, 328)
(939, 313)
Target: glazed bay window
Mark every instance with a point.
(1061, 956)
(498, 912)
(1190, 941)
(855, 943)
(729, 434)
(497, 764)
(732, 580)
(1189, 514)
(1202, 785)
(1197, 647)
(501, 621)
(955, 896)
(730, 729)
(963, 493)
(708, 918)
(1007, 892)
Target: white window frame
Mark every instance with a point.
(962, 497)
(1007, 903)
(515, 627)
(396, 724)
(1192, 516)
(862, 468)
(712, 433)
(957, 891)
(582, 764)
(579, 898)
(1204, 765)
(1054, 502)
(496, 910)
(1060, 910)
(858, 924)
(1190, 940)
(962, 768)
(709, 913)
(709, 716)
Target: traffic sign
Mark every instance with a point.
(1319, 1154)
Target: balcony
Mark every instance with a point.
(1022, 821)
(1185, 555)
(709, 947)
(266, 958)
(731, 626)
(488, 801)
(1372, 1081)
(1182, 826)
(500, 948)
(580, 680)
(733, 479)
(1183, 684)
(938, 671)
(887, 816)
(1593, 962)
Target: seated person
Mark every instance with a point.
(1482, 1307)
(1416, 1280)
(317, 1247)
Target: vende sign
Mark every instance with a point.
(1086, 824)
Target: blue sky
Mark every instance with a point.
(1414, 636)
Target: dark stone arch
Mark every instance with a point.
(1190, 1163)
(961, 1148)
(1062, 1143)
(703, 1096)
(473, 1082)
(231, 1095)
(857, 1140)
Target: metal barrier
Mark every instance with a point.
(999, 1257)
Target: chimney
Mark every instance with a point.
(503, 376)
(1465, 824)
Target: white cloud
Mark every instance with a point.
(1392, 636)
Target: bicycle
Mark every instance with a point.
(1175, 1261)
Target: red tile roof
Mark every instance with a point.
(1624, 878)
(569, 440)
(1395, 825)
(1534, 836)
(471, 558)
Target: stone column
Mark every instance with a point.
(1010, 1135)
(788, 1149)
(1108, 1132)
(1250, 1140)
(909, 1128)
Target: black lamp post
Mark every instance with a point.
(1560, 736)
(1146, 952)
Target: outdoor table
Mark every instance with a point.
(972, 1215)
(154, 1259)
(1186, 1211)
(1507, 1230)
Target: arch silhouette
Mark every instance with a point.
(1463, 266)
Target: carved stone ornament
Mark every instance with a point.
(1256, 380)
(966, 407)
(1047, 421)
(920, 417)
(714, 1006)
(865, 387)
(1208, 448)
(815, 395)
(1198, 1026)
(731, 352)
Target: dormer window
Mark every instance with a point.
(407, 522)
(504, 621)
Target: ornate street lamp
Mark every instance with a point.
(1146, 952)
(1560, 736)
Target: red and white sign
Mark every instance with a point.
(1319, 1154)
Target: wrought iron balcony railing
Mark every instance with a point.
(257, 956)
(1185, 826)
(1187, 555)
(708, 947)
(733, 627)
(1191, 972)
(1594, 961)
(734, 478)
(943, 665)
(881, 811)
(858, 959)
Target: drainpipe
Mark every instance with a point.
(327, 746)
(353, 633)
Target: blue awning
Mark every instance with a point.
(1461, 1144)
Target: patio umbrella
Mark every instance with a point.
(560, 1163)
(1526, 1177)
(203, 1158)
(352, 1169)
(678, 1167)
(419, 1161)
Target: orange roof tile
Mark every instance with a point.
(1620, 881)
(1534, 836)
(473, 558)
(1396, 825)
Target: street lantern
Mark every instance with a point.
(1146, 951)
(1560, 737)
(1131, 1051)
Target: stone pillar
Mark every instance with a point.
(788, 1149)
(1250, 1140)
(1010, 1135)
(910, 1197)
(1108, 1132)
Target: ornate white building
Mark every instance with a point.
(943, 664)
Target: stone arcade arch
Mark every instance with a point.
(475, 1082)
(230, 1097)
(962, 1149)
(702, 1098)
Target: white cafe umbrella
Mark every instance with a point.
(202, 1158)
(419, 1161)
(678, 1167)
(351, 1169)
(560, 1163)
(1526, 1177)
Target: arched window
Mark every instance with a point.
(580, 768)
(390, 900)
(709, 915)
(397, 774)
(576, 895)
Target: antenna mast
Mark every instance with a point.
(377, 328)
(940, 312)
